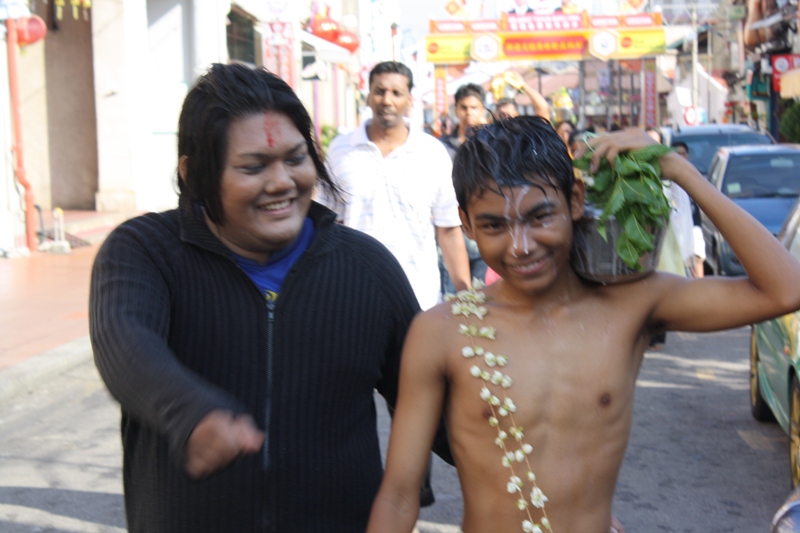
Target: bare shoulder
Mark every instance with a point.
(432, 335)
(641, 296)
(434, 325)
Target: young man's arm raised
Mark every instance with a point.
(772, 285)
(419, 408)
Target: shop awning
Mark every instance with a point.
(790, 84)
(324, 50)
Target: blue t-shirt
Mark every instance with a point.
(269, 276)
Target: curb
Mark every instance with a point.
(24, 377)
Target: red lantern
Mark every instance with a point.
(31, 30)
(325, 28)
(348, 40)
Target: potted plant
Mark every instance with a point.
(620, 235)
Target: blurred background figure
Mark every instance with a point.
(521, 7)
(575, 140)
(506, 107)
(699, 245)
(471, 113)
(564, 130)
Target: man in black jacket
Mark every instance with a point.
(245, 332)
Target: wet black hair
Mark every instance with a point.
(519, 151)
(470, 89)
(222, 95)
(392, 67)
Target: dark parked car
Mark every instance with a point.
(775, 363)
(704, 141)
(764, 180)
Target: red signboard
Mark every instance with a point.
(278, 49)
(464, 26)
(542, 46)
(650, 94)
(554, 22)
(574, 21)
(780, 64)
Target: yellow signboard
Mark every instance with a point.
(558, 36)
(640, 42)
(448, 49)
(619, 43)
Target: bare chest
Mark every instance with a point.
(553, 372)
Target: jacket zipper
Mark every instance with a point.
(268, 399)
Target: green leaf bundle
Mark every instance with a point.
(630, 191)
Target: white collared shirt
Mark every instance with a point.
(398, 199)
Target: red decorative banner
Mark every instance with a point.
(440, 88)
(278, 49)
(574, 21)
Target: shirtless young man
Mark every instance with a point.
(571, 350)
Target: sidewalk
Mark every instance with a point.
(44, 302)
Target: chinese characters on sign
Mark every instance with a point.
(542, 46)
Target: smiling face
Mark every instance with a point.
(390, 99)
(266, 185)
(526, 235)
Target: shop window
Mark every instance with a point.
(242, 45)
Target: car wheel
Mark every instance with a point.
(794, 431)
(758, 407)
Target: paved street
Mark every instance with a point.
(696, 463)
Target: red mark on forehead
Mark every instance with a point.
(271, 128)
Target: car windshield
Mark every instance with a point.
(703, 147)
(762, 176)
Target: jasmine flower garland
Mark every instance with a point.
(515, 452)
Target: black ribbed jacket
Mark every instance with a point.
(179, 330)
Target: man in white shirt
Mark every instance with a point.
(398, 188)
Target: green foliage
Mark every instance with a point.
(790, 123)
(327, 135)
(631, 192)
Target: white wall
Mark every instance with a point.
(119, 31)
(12, 217)
(713, 100)
(170, 71)
(147, 55)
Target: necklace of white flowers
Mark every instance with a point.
(494, 392)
